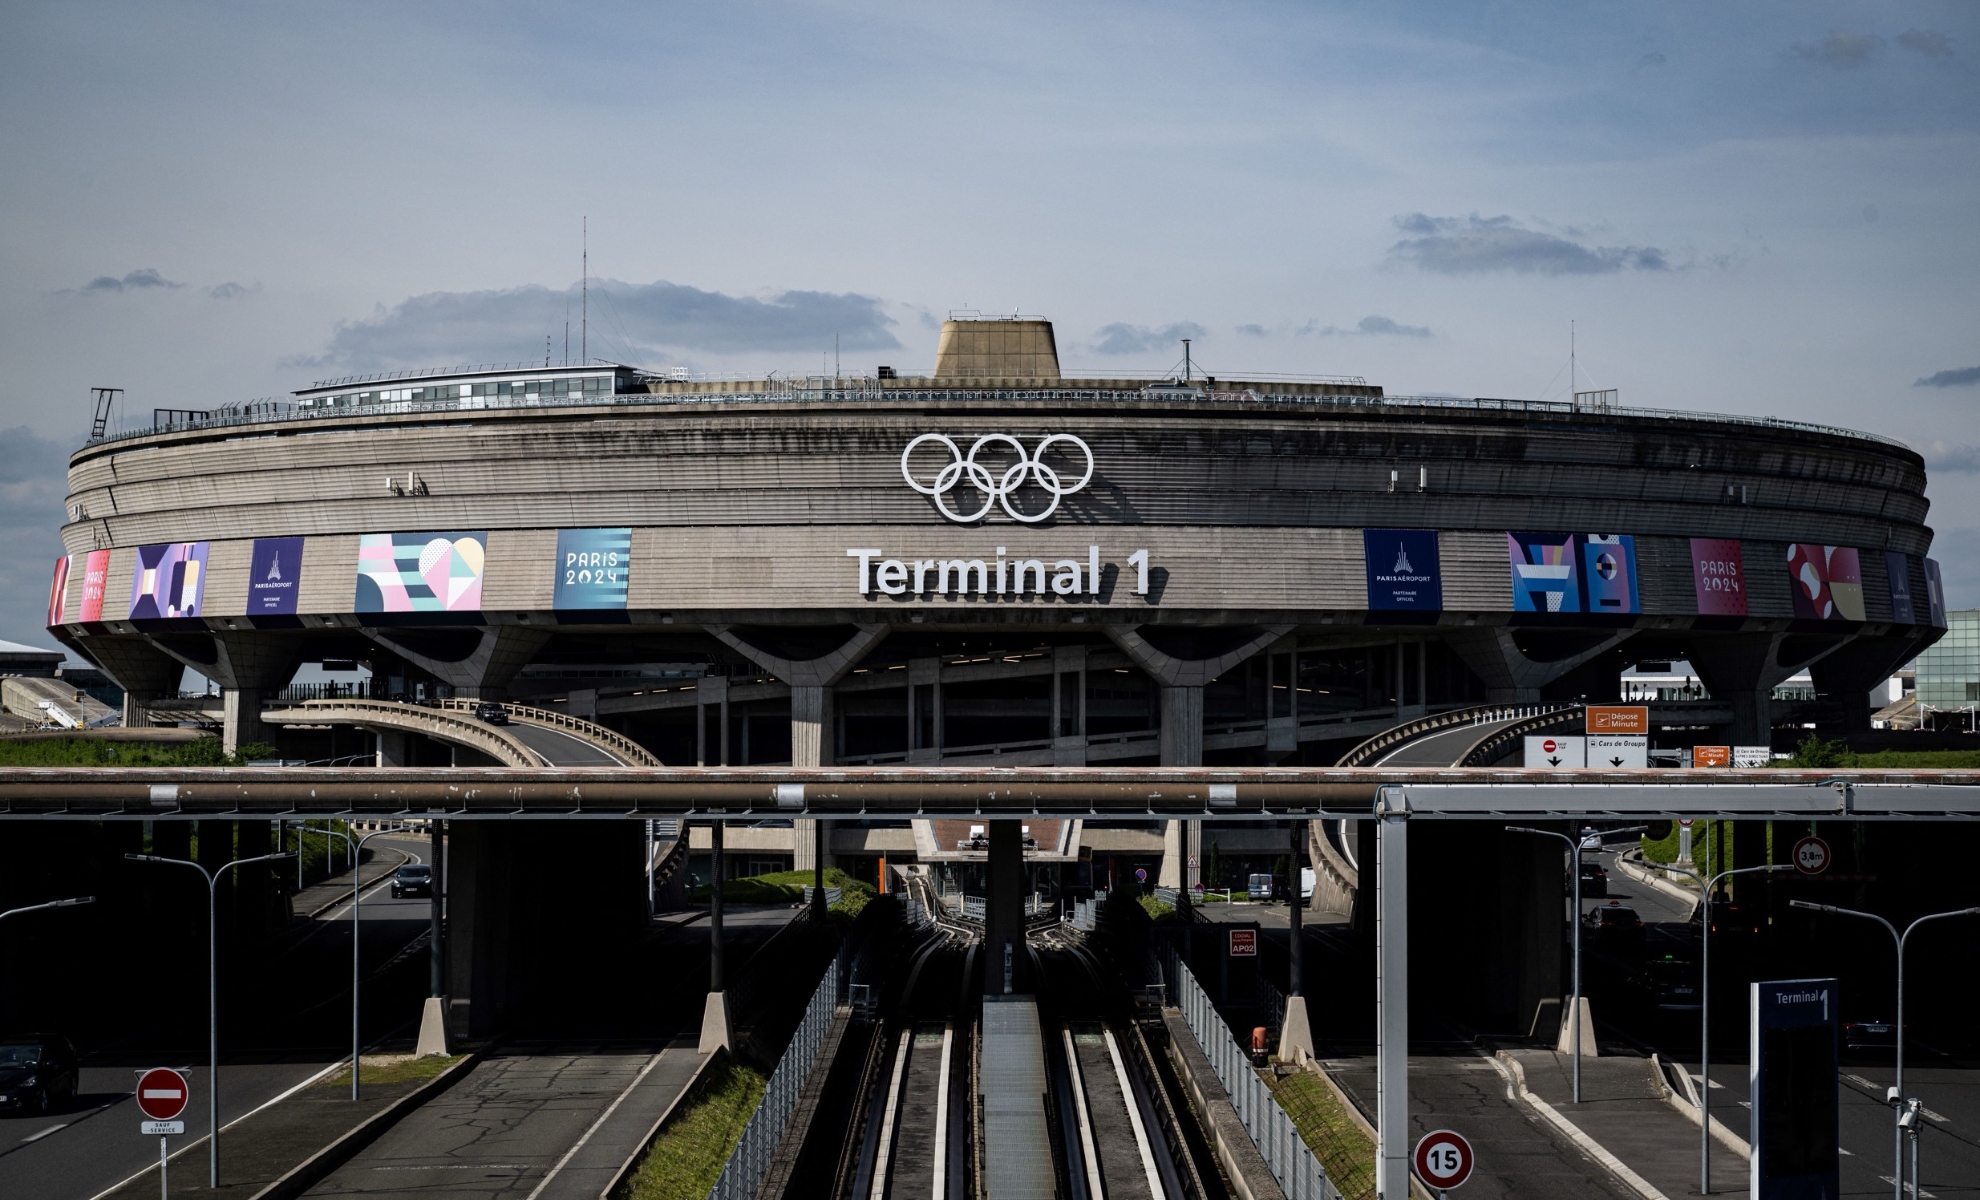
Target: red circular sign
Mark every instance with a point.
(162, 1093)
(1811, 856)
(1442, 1158)
(1550, 745)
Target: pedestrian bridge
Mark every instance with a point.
(534, 737)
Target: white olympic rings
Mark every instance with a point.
(963, 469)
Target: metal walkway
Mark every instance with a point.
(1017, 1145)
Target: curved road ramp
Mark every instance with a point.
(533, 737)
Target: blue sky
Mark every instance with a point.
(1765, 208)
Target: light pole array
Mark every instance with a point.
(357, 894)
(1896, 1097)
(212, 992)
(1574, 928)
(1705, 889)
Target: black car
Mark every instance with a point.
(1669, 984)
(1870, 1035)
(1594, 880)
(37, 1072)
(1728, 917)
(1615, 926)
(491, 713)
(413, 879)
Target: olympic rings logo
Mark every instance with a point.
(996, 487)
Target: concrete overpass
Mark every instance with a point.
(533, 737)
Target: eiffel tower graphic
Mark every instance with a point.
(1402, 561)
(275, 567)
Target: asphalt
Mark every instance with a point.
(90, 1146)
(1440, 749)
(560, 749)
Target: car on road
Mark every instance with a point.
(1259, 887)
(1728, 917)
(1594, 879)
(413, 879)
(37, 1072)
(1668, 984)
(1616, 927)
(490, 713)
(1870, 1035)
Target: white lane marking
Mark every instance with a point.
(1910, 1187)
(35, 1137)
(1134, 1117)
(224, 1128)
(609, 1110)
(1093, 1187)
(939, 1190)
(880, 1163)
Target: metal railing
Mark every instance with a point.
(744, 1171)
(590, 731)
(858, 390)
(1272, 1131)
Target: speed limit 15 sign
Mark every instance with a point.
(1442, 1158)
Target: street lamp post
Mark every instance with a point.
(1896, 1096)
(1705, 1006)
(212, 992)
(357, 895)
(72, 902)
(1574, 926)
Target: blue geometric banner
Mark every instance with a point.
(592, 567)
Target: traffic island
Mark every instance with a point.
(281, 1151)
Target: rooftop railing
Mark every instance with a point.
(827, 389)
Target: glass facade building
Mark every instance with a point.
(1949, 670)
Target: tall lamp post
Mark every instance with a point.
(212, 879)
(1705, 889)
(1895, 1097)
(357, 895)
(1574, 845)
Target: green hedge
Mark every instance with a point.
(98, 752)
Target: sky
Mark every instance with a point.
(1765, 208)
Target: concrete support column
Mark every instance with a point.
(811, 746)
(240, 710)
(1743, 669)
(1296, 1035)
(717, 1031)
(433, 1015)
(136, 705)
(394, 748)
(1392, 1133)
(1182, 746)
(1003, 920)
(1510, 676)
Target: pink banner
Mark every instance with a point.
(1718, 576)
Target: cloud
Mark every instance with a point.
(1477, 245)
(1379, 325)
(1962, 458)
(136, 280)
(640, 321)
(1140, 339)
(1252, 330)
(1929, 42)
(229, 291)
(1958, 377)
(34, 484)
(1843, 50)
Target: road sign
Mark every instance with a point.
(1811, 856)
(1442, 1158)
(1752, 756)
(1628, 751)
(162, 1093)
(1685, 821)
(161, 1128)
(1244, 943)
(1141, 874)
(1617, 718)
(1711, 756)
(1560, 753)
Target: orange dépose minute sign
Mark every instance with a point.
(1618, 718)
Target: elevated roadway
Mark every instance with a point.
(530, 737)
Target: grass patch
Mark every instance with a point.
(97, 752)
(787, 887)
(1157, 910)
(1329, 1130)
(392, 1068)
(687, 1157)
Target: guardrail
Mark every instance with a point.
(1486, 748)
(751, 1158)
(619, 743)
(1272, 1131)
(1480, 714)
(486, 738)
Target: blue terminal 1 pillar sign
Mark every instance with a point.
(1796, 1118)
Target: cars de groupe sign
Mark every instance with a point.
(162, 1094)
(1442, 1159)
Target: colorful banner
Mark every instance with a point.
(1402, 570)
(58, 591)
(1718, 577)
(420, 572)
(96, 579)
(1935, 593)
(168, 580)
(1897, 570)
(1827, 582)
(275, 577)
(1573, 572)
(592, 565)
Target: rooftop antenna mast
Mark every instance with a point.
(1186, 366)
(584, 298)
(104, 398)
(1570, 361)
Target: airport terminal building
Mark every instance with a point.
(989, 564)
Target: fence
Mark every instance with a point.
(1274, 1133)
(744, 1171)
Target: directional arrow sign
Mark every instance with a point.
(1556, 752)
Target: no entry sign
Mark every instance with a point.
(162, 1093)
(1442, 1159)
(1811, 856)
